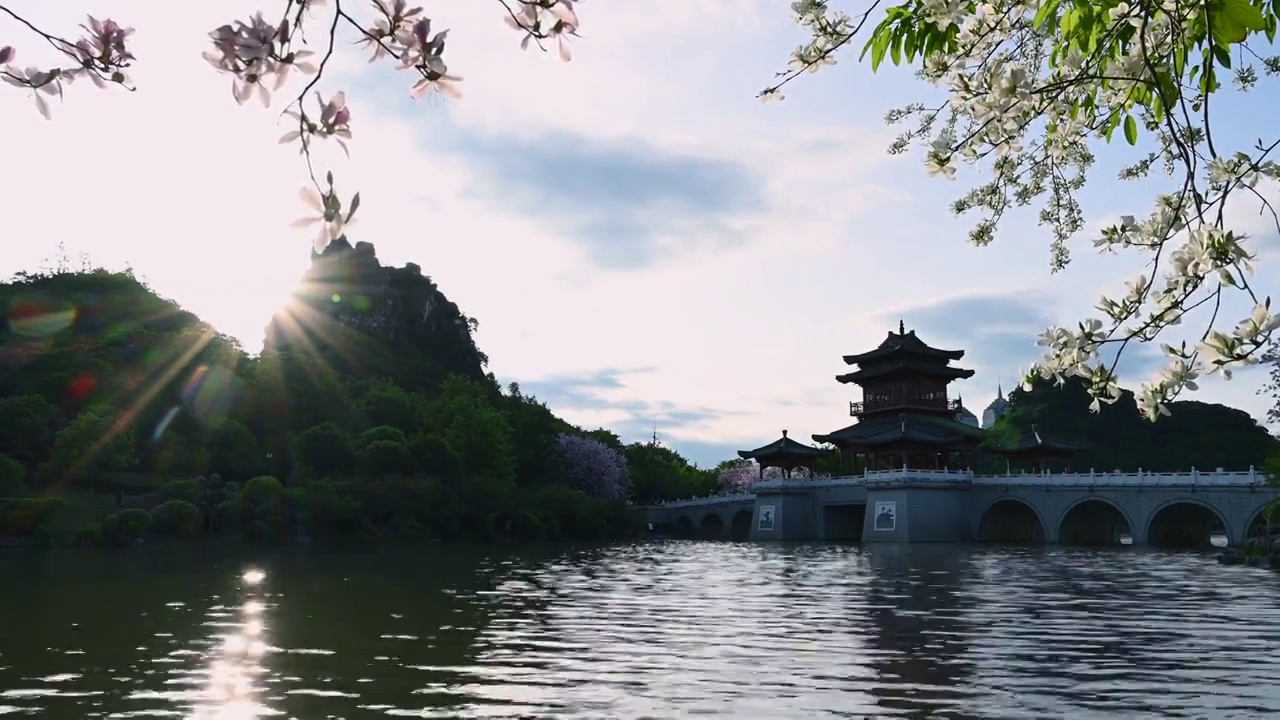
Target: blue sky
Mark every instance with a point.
(642, 241)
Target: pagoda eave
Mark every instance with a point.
(880, 353)
(857, 377)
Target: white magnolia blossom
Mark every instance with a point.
(1029, 104)
(262, 56)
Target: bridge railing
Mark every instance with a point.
(1219, 478)
(709, 500)
(942, 475)
(1198, 478)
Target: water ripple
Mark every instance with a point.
(653, 631)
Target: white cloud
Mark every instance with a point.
(194, 192)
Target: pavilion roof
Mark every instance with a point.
(783, 447)
(906, 427)
(904, 366)
(1036, 441)
(901, 343)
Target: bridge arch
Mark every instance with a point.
(1257, 522)
(740, 526)
(684, 526)
(1185, 522)
(711, 527)
(1094, 520)
(1011, 519)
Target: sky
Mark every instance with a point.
(644, 243)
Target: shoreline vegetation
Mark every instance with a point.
(370, 416)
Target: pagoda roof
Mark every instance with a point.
(783, 447)
(906, 427)
(904, 366)
(1037, 442)
(903, 342)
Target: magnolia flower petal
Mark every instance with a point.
(312, 198)
(563, 12)
(43, 106)
(449, 88)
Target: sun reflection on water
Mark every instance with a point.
(231, 692)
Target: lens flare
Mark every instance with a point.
(36, 317)
(210, 392)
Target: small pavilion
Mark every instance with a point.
(1037, 452)
(786, 455)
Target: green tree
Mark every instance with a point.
(659, 473)
(26, 432)
(92, 444)
(534, 429)
(475, 431)
(234, 452)
(326, 448)
(388, 404)
(12, 478)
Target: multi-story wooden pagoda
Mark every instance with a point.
(905, 417)
(786, 455)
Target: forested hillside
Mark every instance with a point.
(1195, 434)
(370, 413)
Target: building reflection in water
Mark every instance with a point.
(236, 663)
(917, 643)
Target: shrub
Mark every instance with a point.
(177, 517)
(127, 525)
(89, 537)
(184, 490)
(23, 517)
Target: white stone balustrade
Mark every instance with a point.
(1191, 478)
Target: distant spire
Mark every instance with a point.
(902, 328)
(784, 434)
(655, 432)
(999, 389)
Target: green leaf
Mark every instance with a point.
(1222, 55)
(1047, 11)
(1130, 130)
(877, 52)
(1242, 12)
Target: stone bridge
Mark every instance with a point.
(908, 505)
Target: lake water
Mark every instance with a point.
(647, 630)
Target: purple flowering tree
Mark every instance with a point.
(592, 467)
(738, 477)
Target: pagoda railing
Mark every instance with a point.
(936, 401)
